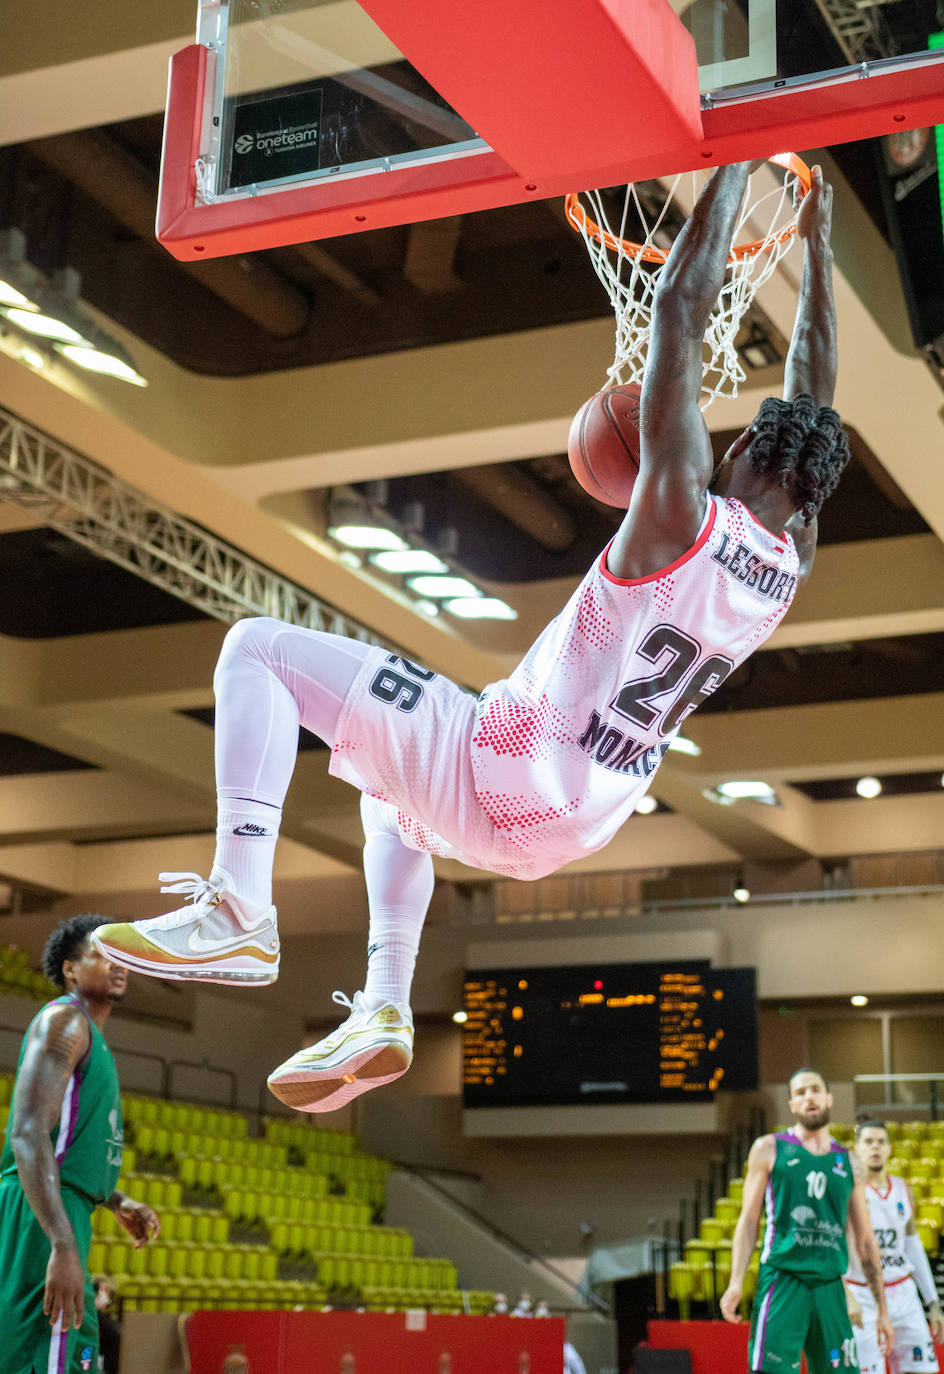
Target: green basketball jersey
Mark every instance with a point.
(87, 1139)
(807, 1207)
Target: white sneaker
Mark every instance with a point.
(373, 1046)
(219, 937)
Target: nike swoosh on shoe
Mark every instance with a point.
(198, 945)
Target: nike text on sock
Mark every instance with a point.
(246, 835)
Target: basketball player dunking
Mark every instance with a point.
(547, 765)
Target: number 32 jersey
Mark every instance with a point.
(889, 1213)
(564, 748)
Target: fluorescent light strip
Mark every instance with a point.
(480, 608)
(409, 561)
(46, 326)
(436, 586)
(366, 537)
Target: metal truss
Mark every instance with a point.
(860, 30)
(85, 502)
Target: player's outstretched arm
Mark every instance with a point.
(54, 1047)
(672, 429)
(921, 1269)
(812, 359)
(869, 1255)
(760, 1161)
(676, 461)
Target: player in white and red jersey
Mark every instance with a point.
(909, 1282)
(547, 764)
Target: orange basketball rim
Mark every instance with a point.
(649, 252)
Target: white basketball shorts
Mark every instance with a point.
(914, 1349)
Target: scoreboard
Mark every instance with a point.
(607, 1033)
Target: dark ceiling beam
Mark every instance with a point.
(430, 253)
(522, 501)
(328, 266)
(126, 189)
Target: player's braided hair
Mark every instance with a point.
(66, 942)
(804, 445)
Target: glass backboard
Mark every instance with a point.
(316, 91)
(283, 97)
(761, 43)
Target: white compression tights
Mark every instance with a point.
(270, 678)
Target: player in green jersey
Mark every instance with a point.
(813, 1190)
(61, 1159)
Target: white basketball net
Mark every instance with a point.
(631, 282)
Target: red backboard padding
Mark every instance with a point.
(548, 85)
(791, 120)
(317, 1342)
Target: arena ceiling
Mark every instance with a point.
(446, 360)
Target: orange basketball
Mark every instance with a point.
(603, 446)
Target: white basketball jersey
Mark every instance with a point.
(889, 1213)
(564, 748)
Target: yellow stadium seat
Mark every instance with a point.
(929, 1233)
(704, 1282)
(202, 1227)
(932, 1209)
(727, 1210)
(682, 1286)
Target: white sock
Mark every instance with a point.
(246, 835)
(399, 887)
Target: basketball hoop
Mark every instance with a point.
(630, 270)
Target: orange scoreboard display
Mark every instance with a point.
(607, 1033)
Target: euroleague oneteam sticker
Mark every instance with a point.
(276, 136)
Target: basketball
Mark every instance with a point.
(603, 445)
